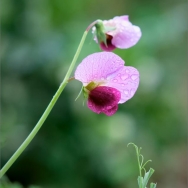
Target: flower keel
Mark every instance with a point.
(108, 47)
(104, 99)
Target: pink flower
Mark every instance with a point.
(120, 33)
(107, 82)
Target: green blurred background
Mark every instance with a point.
(77, 148)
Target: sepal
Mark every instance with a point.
(100, 32)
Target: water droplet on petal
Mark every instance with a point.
(134, 77)
(108, 107)
(126, 92)
(124, 77)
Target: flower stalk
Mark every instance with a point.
(49, 107)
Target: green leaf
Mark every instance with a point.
(147, 177)
(140, 182)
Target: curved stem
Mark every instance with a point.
(146, 163)
(48, 109)
(138, 159)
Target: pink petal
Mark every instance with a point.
(120, 18)
(127, 35)
(104, 99)
(98, 66)
(126, 81)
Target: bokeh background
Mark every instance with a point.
(77, 148)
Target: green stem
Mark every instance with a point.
(48, 109)
(138, 159)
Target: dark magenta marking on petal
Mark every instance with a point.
(104, 99)
(111, 111)
(110, 47)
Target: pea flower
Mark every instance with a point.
(106, 81)
(119, 32)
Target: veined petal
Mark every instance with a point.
(126, 81)
(97, 67)
(127, 36)
(120, 18)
